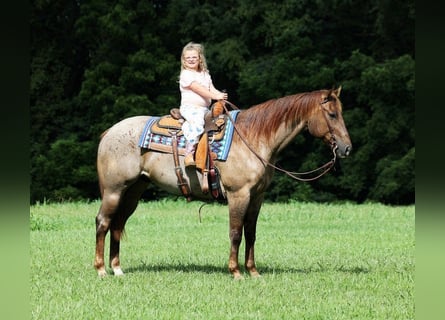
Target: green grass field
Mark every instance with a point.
(342, 261)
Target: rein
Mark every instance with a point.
(294, 175)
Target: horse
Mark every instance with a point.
(262, 131)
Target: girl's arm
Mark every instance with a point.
(213, 93)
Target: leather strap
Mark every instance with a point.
(205, 181)
(182, 183)
(213, 179)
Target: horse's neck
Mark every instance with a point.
(270, 132)
(283, 136)
(269, 145)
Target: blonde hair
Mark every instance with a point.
(202, 59)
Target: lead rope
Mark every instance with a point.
(294, 175)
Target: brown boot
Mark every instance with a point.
(189, 159)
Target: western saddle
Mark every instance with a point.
(215, 120)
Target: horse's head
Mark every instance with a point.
(326, 122)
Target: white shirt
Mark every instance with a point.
(188, 96)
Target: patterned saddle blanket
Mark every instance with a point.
(157, 136)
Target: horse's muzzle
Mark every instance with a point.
(343, 150)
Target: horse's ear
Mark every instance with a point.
(337, 91)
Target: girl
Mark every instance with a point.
(197, 93)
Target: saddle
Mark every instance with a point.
(214, 128)
(214, 120)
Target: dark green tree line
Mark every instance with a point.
(96, 62)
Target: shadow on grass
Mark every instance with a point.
(211, 269)
(179, 267)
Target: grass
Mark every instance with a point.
(342, 261)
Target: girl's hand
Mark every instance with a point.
(223, 96)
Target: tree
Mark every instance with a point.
(94, 63)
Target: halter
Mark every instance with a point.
(294, 175)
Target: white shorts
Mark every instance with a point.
(193, 127)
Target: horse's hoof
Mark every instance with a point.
(118, 272)
(101, 273)
(237, 276)
(255, 275)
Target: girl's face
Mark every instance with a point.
(191, 59)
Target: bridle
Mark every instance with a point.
(294, 175)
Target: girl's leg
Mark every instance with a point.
(192, 128)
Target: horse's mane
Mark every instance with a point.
(264, 119)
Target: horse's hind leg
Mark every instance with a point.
(108, 207)
(126, 208)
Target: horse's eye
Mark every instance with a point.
(332, 115)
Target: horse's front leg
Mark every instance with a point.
(250, 223)
(249, 235)
(236, 233)
(237, 211)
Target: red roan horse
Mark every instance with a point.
(263, 131)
